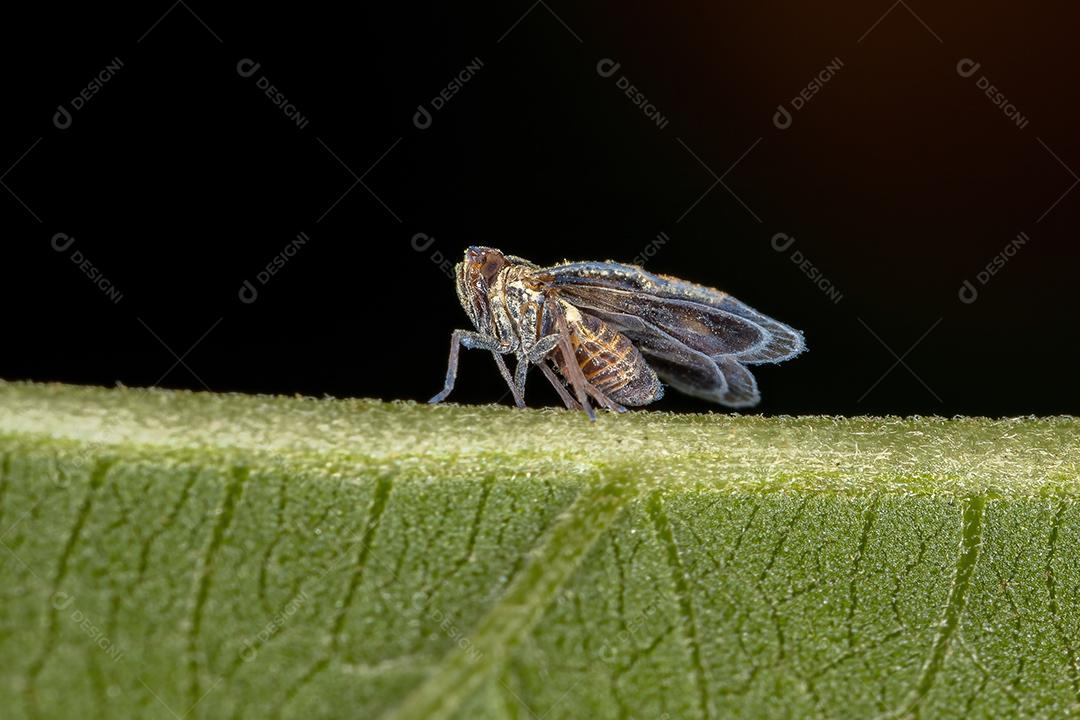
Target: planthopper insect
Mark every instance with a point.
(612, 332)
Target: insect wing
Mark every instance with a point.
(696, 338)
(721, 379)
(703, 318)
(783, 343)
(703, 328)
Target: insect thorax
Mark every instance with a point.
(524, 310)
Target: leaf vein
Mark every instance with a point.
(97, 479)
(687, 612)
(205, 576)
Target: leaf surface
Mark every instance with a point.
(168, 554)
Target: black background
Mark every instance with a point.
(899, 180)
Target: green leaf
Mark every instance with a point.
(167, 554)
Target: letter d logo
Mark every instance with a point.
(61, 118)
(607, 67)
(421, 241)
(781, 118)
(967, 67)
(61, 242)
(968, 294)
(422, 118)
(248, 293)
(247, 67)
(782, 241)
(61, 600)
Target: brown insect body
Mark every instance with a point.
(610, 361)
(612, 331)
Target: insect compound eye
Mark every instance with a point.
(484, 264)
(490, 269)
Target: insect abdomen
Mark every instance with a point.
(612, 364)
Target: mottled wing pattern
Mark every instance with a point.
(698, 339)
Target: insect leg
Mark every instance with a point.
(517, 393)
(473, 341)
(542, 347)
(571, 403)
(521, 370)
(547, 344)
(572, 371)
(603, 399)
(536, 356)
